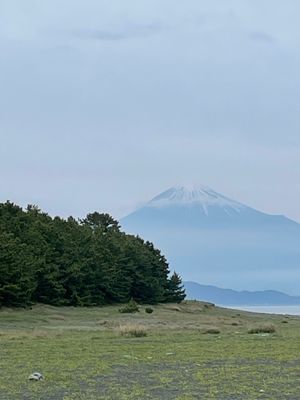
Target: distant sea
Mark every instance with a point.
(290, 310)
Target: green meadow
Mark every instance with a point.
(182, 351)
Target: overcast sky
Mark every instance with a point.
(104, 104)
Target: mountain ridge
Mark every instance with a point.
(230, 297)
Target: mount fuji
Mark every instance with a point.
(212, 239)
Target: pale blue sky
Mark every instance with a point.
(104, 104)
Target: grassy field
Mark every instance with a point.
(84, 354)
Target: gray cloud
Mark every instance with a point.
(128, 32)
(261, 37)
(90, 119)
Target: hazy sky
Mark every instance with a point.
(104, 104)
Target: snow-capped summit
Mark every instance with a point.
(199, 195)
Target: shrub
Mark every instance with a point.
(209, 305)
(267, 328)
(133, 330)
(149, 310)
(212, 331)
(130, 307)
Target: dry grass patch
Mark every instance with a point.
(132, 330)
(173, 308)
(57, 317)
(265, 328)
(34, 334)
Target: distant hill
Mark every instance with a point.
(195, 291)
(210, 238)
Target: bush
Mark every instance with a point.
(131, 307)
(149, 310)
(133, 331)
(262, 329)
(212, 331)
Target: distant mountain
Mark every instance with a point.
(195, 291)
(209, 238)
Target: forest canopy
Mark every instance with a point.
(78, 262)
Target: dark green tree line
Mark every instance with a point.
(78, 262)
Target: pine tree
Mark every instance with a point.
(17, 282)
(176, 291)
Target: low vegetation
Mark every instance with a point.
(149, 310)
(265, 328)
(212, 331)
(131, 307)
(98, 353)
(133, 330)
